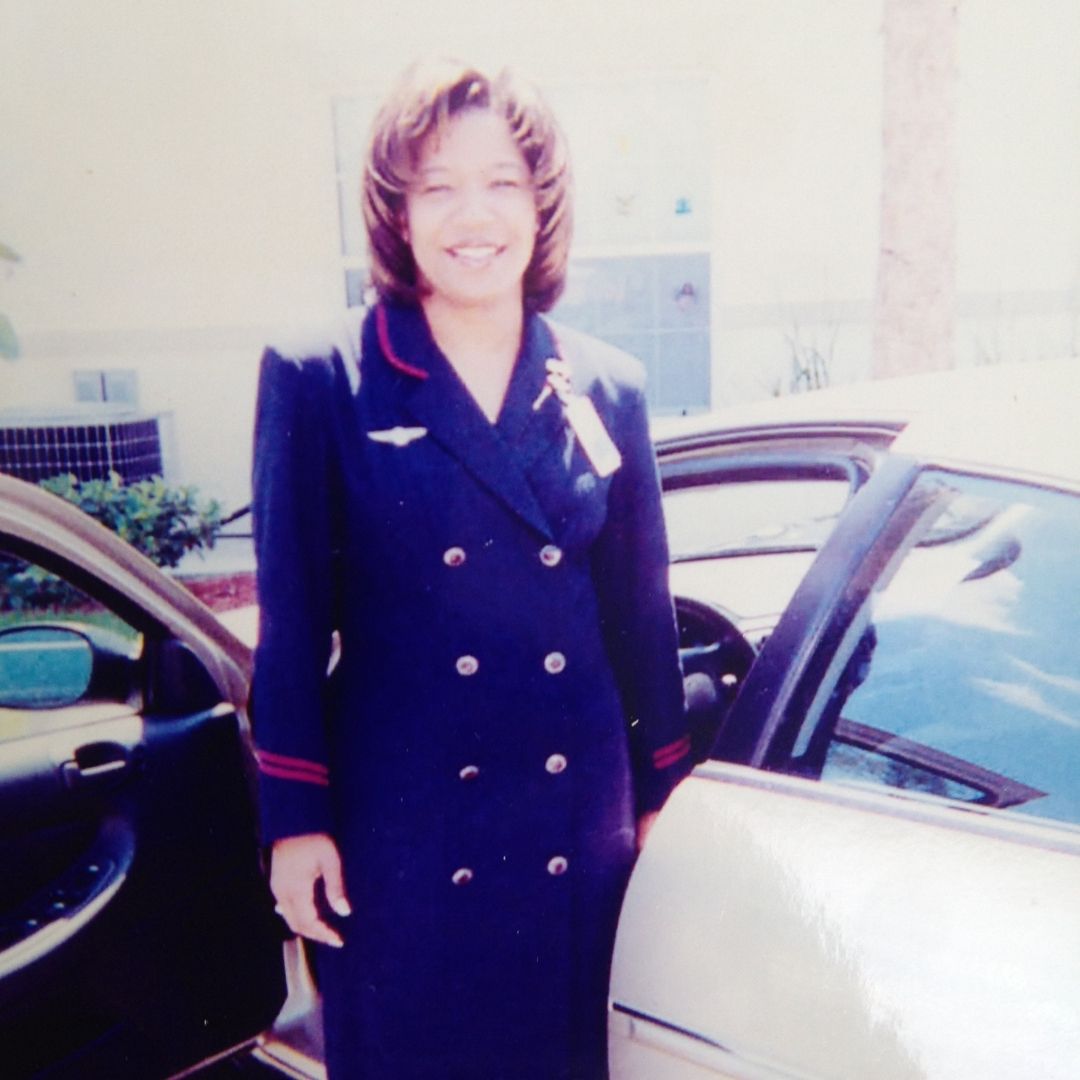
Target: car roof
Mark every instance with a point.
(1022, 419)
(1011, 417)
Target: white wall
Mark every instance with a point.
(1018, 180)
(167, 174)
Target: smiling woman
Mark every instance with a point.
(470, 502)
(471, 213)
(471, 221)
(421, 107)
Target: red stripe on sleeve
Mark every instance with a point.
(668, 755)
(292, 768)
(293, 774)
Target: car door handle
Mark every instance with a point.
(97, 763)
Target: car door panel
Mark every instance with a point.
(137, 936)
(150, 926)
(830, 932)
(62, 856)
(641, 1047)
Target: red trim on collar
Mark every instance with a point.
(382, 327)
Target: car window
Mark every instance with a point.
(960, 675)
(738, 516)
(51, 633)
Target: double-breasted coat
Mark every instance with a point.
(507, 698)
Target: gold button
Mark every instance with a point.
(462, 876)
(467, 665)
(550, 555)
(454, 556)
(556, 866)
(554, 663)
(470, 772)
(555, 764)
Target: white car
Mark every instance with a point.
(877, 873)
(873, 872)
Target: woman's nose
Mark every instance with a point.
(474, 204)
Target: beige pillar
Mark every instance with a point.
(916, 282)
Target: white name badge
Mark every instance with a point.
(582, 416)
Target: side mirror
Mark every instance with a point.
(43, 667)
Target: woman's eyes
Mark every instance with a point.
(504, 183)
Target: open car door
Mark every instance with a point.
(878, 876)
(137, 937)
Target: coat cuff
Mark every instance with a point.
(294, 797)
(668, 765)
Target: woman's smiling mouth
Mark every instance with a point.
(474, 254)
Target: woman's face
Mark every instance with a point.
(470, 212)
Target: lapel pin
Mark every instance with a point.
(582, 417)
(557, 382)
(398, 436)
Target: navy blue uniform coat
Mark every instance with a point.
(507, 701)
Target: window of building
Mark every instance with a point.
(119, 385)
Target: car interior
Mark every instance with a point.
(136, 934)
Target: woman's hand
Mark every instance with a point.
(296, 865)
(644, 827)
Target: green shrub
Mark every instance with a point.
(27, 588)
(162, 522)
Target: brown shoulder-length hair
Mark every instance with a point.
(427, 97)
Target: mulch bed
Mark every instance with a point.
(223, 593)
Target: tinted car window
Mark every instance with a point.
(960, 676)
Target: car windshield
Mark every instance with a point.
(752, 516)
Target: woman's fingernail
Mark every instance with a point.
(341, 906)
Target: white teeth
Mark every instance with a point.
(482, 252)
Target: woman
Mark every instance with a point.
(473, 506)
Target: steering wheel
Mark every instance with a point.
(715, 659)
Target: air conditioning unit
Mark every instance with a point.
(90, 443)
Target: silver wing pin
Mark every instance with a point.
(398, 436)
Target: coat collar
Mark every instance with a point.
(431, 391)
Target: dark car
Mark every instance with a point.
(135, 933)
(873, 871)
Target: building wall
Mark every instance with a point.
(168, 177)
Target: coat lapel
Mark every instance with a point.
(528, 429)
(437, 399)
